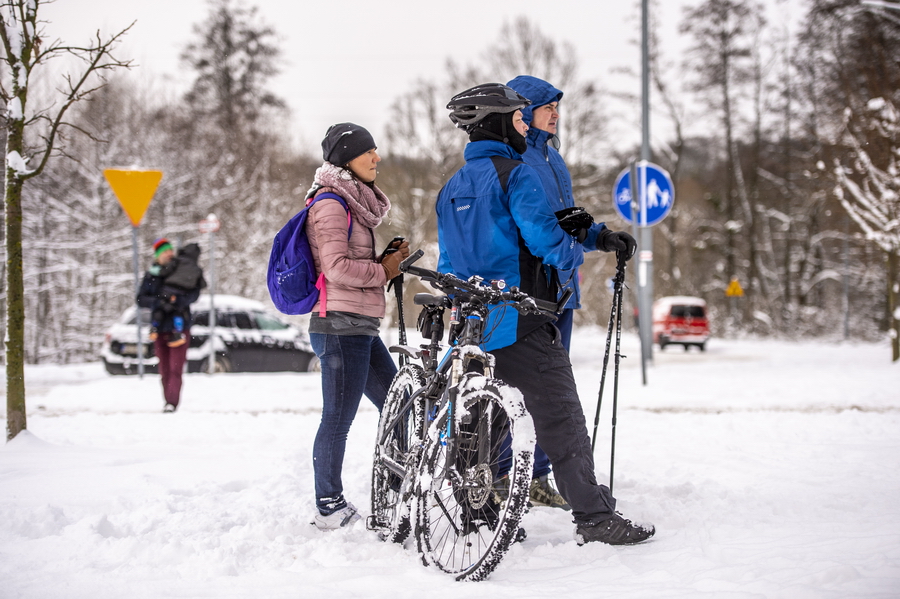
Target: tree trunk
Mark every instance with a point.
(893, 289)
(15, 291)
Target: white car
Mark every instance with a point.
(247, 338)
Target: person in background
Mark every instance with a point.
(170, 346)
(344, 326)
(182, 274)
(496, 203)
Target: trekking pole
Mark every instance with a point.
(620, 283)
(615, 318)
(609, 329)
(397, 283)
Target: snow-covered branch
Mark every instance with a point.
(870, 194)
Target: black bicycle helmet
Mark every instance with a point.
(468, 108)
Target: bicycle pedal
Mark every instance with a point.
(372, 523)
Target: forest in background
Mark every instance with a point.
(795, 190)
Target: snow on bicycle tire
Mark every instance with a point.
(462, 525)
(399, 432)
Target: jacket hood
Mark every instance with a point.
(537, 90)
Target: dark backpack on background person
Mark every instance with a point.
(293, 283)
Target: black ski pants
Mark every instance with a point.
(538, 365)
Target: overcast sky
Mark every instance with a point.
(349, 60)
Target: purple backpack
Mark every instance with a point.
(293, 283)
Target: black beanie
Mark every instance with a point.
(344, 142)
(491, 127)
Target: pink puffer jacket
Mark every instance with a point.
(354, 281)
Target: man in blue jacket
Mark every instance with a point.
(494, 221)
(542, 118)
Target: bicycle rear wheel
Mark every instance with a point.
(396, 454)
(461, 525)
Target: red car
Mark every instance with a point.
(680, 320)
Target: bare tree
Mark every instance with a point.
(871, 193)
(31, 138)
(853, 51)
(425, 148)
(720, 59)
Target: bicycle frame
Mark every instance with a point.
(436, 460)
(443, 377)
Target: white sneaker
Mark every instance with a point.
(339, 519)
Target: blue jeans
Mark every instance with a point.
(351, 365)
(542, 466)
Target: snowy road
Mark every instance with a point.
(771, 469)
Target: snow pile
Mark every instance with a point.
(770, 469)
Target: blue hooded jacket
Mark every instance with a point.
(499, 232)
(549, 164)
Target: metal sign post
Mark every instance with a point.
(634, 189)
(210, 225)
(135, 262)
(643, 196)
(134, 189)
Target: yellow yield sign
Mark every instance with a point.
(134, 189)
(734, 289)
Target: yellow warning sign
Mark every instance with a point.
(134, 189)
(734, 289)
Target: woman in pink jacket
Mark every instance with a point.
(344, 331)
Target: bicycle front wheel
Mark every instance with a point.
(396, 454)
(462, 526)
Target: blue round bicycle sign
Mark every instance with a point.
(656, 194)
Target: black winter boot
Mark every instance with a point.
(614, 531)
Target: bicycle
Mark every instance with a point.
(440, 430)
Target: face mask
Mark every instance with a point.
(518, 142)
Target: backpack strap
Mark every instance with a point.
(320, 282)
(333, 196)
(504, 167)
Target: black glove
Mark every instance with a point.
(617, 241)
(575, 221)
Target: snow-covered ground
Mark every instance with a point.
(770, 469)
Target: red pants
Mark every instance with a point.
(171, 366)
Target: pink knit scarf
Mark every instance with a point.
(367, 204)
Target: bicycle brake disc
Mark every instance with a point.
(479, 484)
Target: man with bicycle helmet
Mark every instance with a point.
(494, 221)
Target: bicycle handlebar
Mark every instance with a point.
(474, 288)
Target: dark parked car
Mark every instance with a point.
(247, 338)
